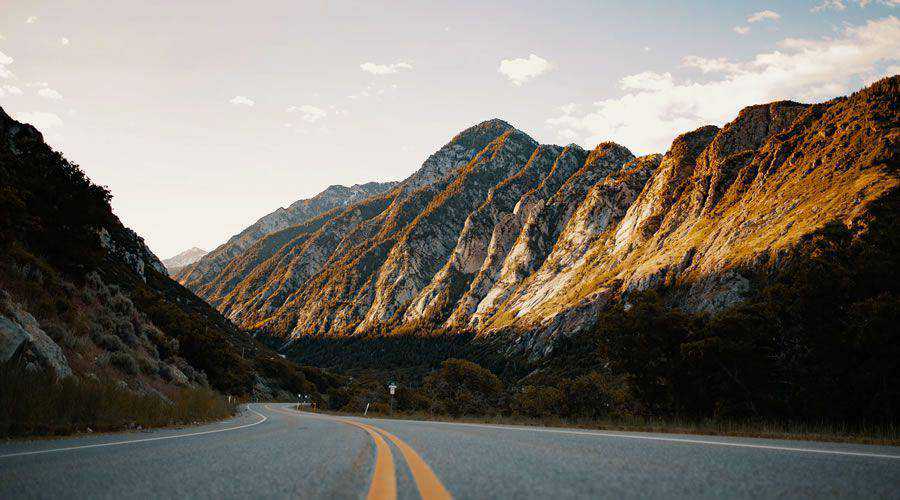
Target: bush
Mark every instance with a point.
(124, 362)
(461, 387)
(595, 396)
(538, 401)
(412, 400)
(109, 342)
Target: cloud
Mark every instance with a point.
(384, 69)
(308, 113)
(657, 106)
(64, 41)
(522, 70)
(829, 5)
(240, 100)
(763, 15)
(9, 90)
(839, 5)
(48, 93)
(5, 60)
(31, 19)
(568, 109)
(40, 119)
(741, 30)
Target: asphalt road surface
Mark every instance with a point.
(275, 451)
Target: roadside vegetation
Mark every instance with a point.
(39, 404)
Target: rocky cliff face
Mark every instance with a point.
(498, 234)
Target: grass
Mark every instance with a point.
(887, 434)
(39, 404)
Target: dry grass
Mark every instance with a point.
(888, 435)
(35, 404)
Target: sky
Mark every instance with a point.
(203, 116)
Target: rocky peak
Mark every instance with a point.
(456, 153)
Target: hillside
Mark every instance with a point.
(213, 267)
(84, 300)
(501, 236)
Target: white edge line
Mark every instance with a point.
(654, 438)
(143, 440)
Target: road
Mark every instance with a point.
(275, 451)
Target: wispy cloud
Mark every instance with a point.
(308, 112)
(31, 19)
(385, 69)
(9, 90)
(656, 106)
(839, 5)
(741, 30)
(240, 100)
(763, 15)
(48, 93)
(522, 70)
(5, 61)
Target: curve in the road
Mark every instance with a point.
(384, 483)
(427, 482)
(384, 477)
(262, 419)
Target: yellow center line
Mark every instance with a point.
(430, 487)
(384, 479)
(428, 484)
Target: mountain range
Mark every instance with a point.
(497, 234)
(189, 256)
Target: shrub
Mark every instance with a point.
(461, 387)
(124, 362)
(595, 396)
(412, 400)
(538, 401)
(109, 342)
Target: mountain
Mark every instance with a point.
(82, 297)
(189, 256)
(501, 236)
(212, 268)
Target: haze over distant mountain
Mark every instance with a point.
(189, 256)
(499, 234)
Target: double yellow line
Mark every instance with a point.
(384, 478)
